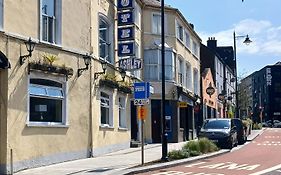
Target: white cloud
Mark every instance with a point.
(266, 37)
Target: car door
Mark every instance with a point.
(234, 132)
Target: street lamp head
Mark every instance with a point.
(247, 40)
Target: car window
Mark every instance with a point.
(216, 124)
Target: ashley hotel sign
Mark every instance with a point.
(126, 36)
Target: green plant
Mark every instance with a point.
(49, 58)
(178, 154)
(207, 146)
(109, 76)
(192, 146)
(257, 126)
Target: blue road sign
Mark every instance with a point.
(141, 90)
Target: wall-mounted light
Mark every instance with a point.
(103, 65)
(123, 74)
(29, 47)
(87, 61)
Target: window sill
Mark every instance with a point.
(122, 129)
(50, 44)
(106, 126)
(47, 125)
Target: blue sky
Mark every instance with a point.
(219, 18)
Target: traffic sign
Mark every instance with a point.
(139, 102)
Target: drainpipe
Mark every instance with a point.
(91, 88)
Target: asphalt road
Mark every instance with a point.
(261, 156)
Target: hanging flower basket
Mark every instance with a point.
(51, 69)
(108, 83)
(125, 89)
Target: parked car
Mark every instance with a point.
(267, 123)
(276, 124)
(241, 134)
(222, 131)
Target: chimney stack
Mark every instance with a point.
(212, 42)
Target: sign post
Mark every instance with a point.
(142, 116)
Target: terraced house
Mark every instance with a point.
(182, 65)
(62, 96)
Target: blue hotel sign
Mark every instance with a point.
(124, 4)
(126, 49)
(126, 33)
(125, 18)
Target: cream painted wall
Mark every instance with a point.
(22, 18)
(33, 142)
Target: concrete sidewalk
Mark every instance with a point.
(120, 162)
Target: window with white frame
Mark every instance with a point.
(156, 23)
(122, 113)
(51, 21)
(1, 14)
(195, 48)
(152, 65)
(196, 81)
(137, 11)
(104, 39)
(180, 71)
(179, 31)
(46, 101)
(187, 39)
(188, 76)
(106, 109)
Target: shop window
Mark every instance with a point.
(46, 101)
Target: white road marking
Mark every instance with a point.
(267, 170)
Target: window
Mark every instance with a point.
(106, 108)
(188, 76)
(187, 40)
(181, 71)
(156, 23)
(195, 48)
(1, 14)
(196, 81)
(137, 12)
(122, 113)
(179, 32)
(152, 65)
(46, 101)
(104, 39)
(51, 21)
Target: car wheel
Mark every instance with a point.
(230, 144)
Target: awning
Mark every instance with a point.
(4, 62)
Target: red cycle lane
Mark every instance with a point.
(260, 156)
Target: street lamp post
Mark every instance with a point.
(164, 133)
(247, 41)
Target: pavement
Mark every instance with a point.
(126, 161)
